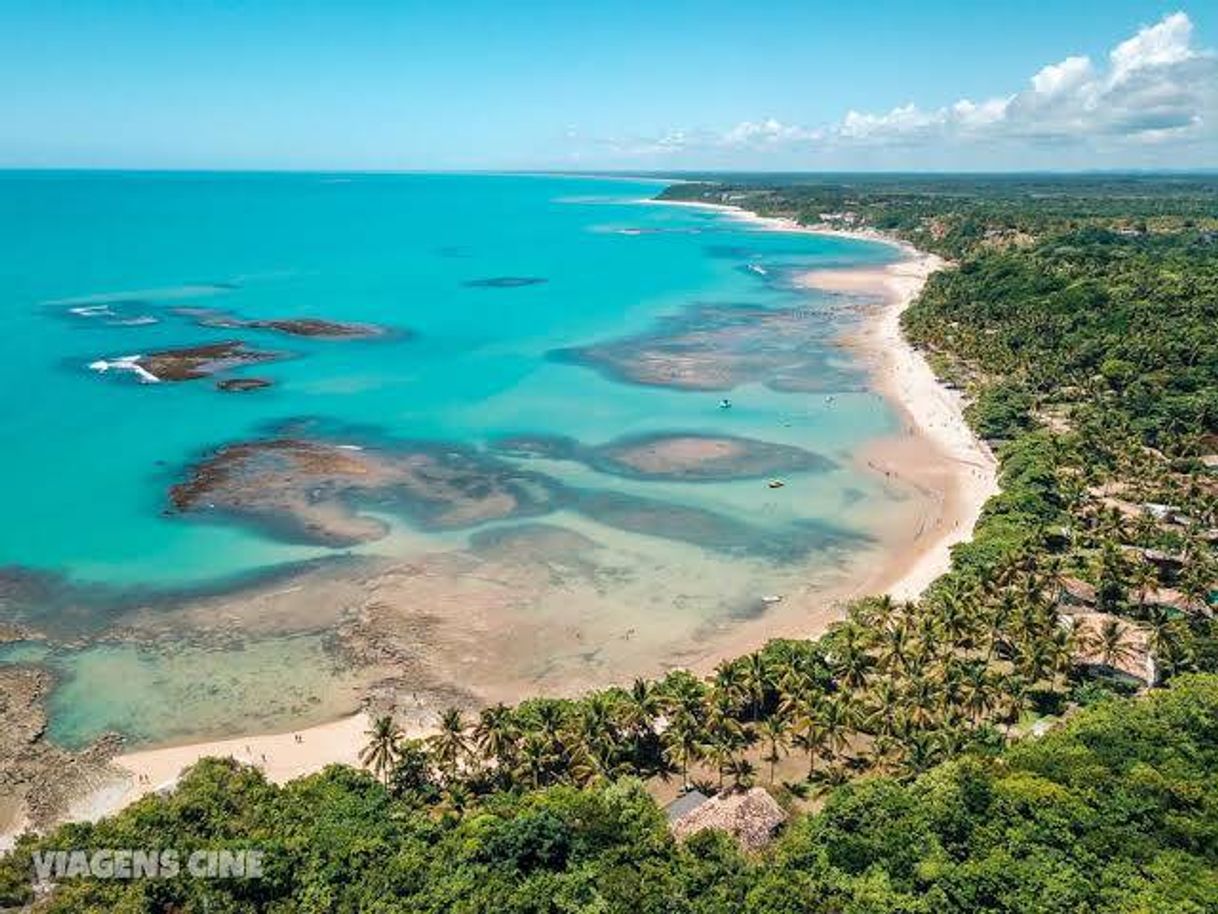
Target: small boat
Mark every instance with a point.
(725, 403)
(776, 483)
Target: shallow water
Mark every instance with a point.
(95, 265)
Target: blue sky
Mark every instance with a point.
(591, 85)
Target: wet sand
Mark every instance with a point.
(489, 615)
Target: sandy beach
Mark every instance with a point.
(937, 452)
(936, 456)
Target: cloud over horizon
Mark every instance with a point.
(1153, 89)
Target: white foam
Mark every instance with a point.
(126, 363)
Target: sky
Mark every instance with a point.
(598, 85)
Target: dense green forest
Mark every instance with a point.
(1115, 812)
(1075, 313)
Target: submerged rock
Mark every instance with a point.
(315, 327)
(689, 457)
(188, 363)
(311, 490)
(704, 458)
(38, 779)
(505, 282)
(239, 385)
(720, 347)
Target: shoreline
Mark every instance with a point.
(936, 455)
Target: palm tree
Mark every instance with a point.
(683, 743)
(1113, 645)
(382, 748)
(1010, 703)
(721, 723)
(810, 734)
(597, 731)
(496, 734)
(535, 758)
(977, 691)
(1163, 641)
(883, 704)
(852, 663)
(449, 745)
(838, 723)
(742, 772)
(640, 708)
(921, 702)
(731, 683)
(756, 678)
(894, 650)
(1111, 571)
(876, 613)
(1197, 582)
(774, 731)
(1144, 577)
(721, 753)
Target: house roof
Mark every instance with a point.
(750, 816)
(684, 804)
(1138, 664)
(1079, 592)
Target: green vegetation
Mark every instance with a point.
(1115, 812)
(1075, 316)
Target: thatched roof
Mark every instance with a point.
(750, 816)
(1169, 597)
(1139, 664)
(1080, 593)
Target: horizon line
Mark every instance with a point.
(648, 175)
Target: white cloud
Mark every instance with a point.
(767, 132)
(1066, 76)
(1163, 45)
(903, 123)
(1155, 87)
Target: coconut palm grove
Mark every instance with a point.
(1037, 733)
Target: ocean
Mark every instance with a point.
(565, 354)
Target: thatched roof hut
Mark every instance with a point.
(750, 816)
(1136, 661)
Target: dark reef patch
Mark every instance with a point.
(313, 327)
(667, 520)
(189, 363)
(542, 447)
(687, 457)
(65, 611)
(241, 385)
(719, 347)
(707, 458)
(312, 491)
(710, 530)
(505, 282)
(532, 541)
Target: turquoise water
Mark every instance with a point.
(87, 458)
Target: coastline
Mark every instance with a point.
(936, 455)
